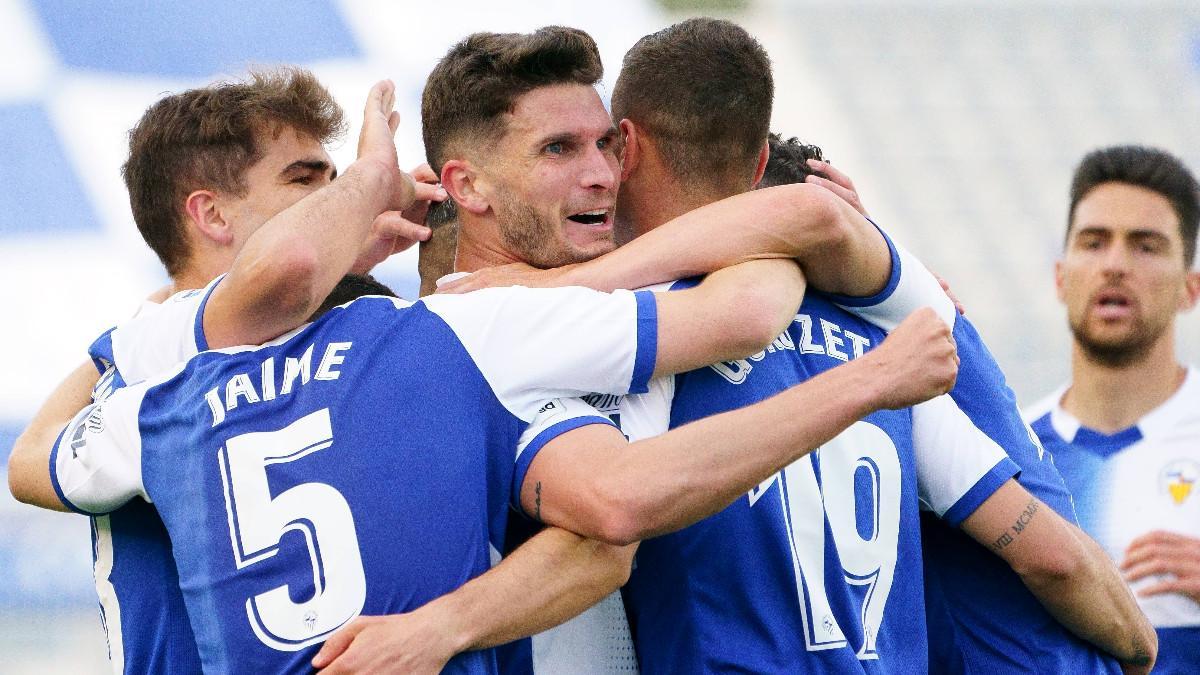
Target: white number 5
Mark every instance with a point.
(317, 511)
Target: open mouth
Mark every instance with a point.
(596, 217)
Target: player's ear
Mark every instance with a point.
(203, 209)
(631, 148)
(1058, 280)
(1191, 291)
(763, 156)
(462, 182)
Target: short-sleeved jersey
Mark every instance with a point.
(362, 464)
(818, 569)
(141, 605)
(980, 615)
(1132, 482)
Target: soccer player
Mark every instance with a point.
(1125, 432)
(662, 96)
(207, 169)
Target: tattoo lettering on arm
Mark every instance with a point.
(1022, 521)
(537, 502)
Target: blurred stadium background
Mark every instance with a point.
(959, 121)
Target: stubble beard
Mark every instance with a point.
(1120, 352)
(534, 238)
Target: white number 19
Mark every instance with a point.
(257, 524)
(866, 560)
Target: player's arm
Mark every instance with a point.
(28, 479)
(288, 266)
(591, 481)
(547, 580)
(1067, 572)
(838, 248)
(734, 312)
(94, 465)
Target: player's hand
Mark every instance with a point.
(950, 294)
(376, 142)
(838, 183)
(514, 274)
(916, 362)
(1173, 556)
(396, 231)
(397, 643)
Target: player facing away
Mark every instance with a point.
(653, 191)
(1125, 431)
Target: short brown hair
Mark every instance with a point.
(480, 79)
(1150, 168)
(702, 89)
(206, 139)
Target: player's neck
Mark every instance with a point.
(475, 252)
(667, 201)
(1110, 398)
(197, 274)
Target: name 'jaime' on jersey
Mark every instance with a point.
(241, 387)
(833, 342)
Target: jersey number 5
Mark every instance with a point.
(257, 524)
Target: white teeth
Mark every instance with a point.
(597, 212)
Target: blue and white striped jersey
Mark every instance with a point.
(362, 464)
(1131, 482)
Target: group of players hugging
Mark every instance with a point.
(789, 452)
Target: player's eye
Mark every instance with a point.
(555, 148)
(603, 143)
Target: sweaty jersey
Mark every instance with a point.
(1130, 483)
(981, 617)
(818, 569)
(362, 464)
(141, 605)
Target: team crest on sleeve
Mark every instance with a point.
(1178, 479)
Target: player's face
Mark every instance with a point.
(552, 177)
(1122, 276)
(292, 166)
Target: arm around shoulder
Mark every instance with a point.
(28, 464)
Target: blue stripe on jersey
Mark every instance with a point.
(647, 345)
(54, 476)
(986, 487)
(101, 351)
(1178, 651)
(535, 446)
(198, 326)
(981, 617)
(417, 494)
(1106, 445)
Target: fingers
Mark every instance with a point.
(424, 174)
(338, 643)
(1161, 587)
(428, 192)
(393, 224)
(837, 177)
(393, 122)
(849, 196)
